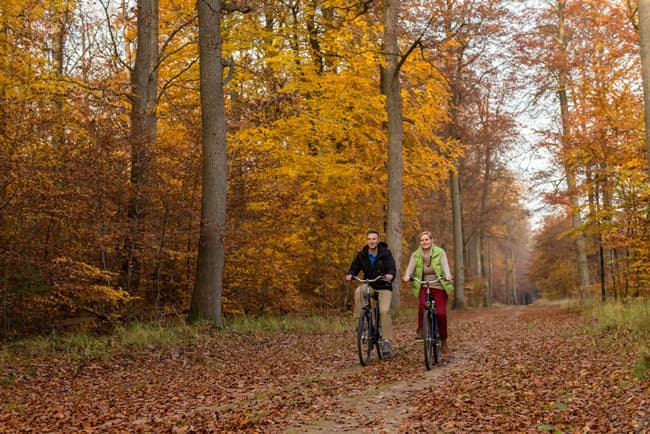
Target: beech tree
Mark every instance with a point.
(550, 51)
(459, 46)
(390, 87)
(206, 296)
(643, 8)
(144, 98)
(306, 163)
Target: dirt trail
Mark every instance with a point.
(385, 406)
(515, 369)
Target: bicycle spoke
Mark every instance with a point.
(364, 337)
(427, 341)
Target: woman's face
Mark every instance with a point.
(425, 242)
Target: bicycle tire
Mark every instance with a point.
(377, 336)
(364, 337)
(437, 350)
(428, 340)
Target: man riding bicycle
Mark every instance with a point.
(375, 259)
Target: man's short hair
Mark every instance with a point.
(372, 231)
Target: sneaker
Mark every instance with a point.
(443, 346)
(386, 349)
(418, 334)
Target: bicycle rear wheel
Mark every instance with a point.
(364, 337)
(428, 340)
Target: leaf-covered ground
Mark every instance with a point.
(514, 369)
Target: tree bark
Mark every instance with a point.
(459, 267)
(206, 296)
(576, 221)
(643, 9)
(390, 87)
(144, 83)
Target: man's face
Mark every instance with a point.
(373, 240)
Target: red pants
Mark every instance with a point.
(440, 297)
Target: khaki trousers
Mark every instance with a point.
(385, 297)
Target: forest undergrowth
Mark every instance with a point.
(510, 369)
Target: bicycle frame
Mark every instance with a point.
(368, 328)
(430, 333)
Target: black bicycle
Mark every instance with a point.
(368, 330)
(430, 333)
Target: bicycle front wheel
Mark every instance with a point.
(364, 337)
(428, 340)
(437, 350)
(377, 336)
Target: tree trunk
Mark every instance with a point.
(459, 267)
(490, 285)
(206, 296)
(644, 38)
(483, 213)
(144, 83)
(58, 56)
(507, 278)
(513, 275)
(576, 221)
(390, 87)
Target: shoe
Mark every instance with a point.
(443, 346)
(386, 349)
(418, 334)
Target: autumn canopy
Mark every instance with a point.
(101, 156)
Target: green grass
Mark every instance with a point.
(134, 337)
(139, 337)
(565, 303)
(302, 324)
(628, 323)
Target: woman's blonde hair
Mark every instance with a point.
(425, 233)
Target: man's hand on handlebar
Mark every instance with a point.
(350, 277)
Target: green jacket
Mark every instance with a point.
(436, 254)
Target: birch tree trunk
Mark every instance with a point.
(206, 296)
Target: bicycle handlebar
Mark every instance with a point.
(368, 280)
(429, 282)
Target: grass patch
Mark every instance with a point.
(138, 337)
(154, 335)
(288, 324)
(564, 303)
(627, 322)
(134, 337)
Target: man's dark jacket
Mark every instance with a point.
(384, 264)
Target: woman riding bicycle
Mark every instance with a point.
(375, 259)
(429, 262)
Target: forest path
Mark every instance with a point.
(511, 369)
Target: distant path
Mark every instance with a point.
(512, 369)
